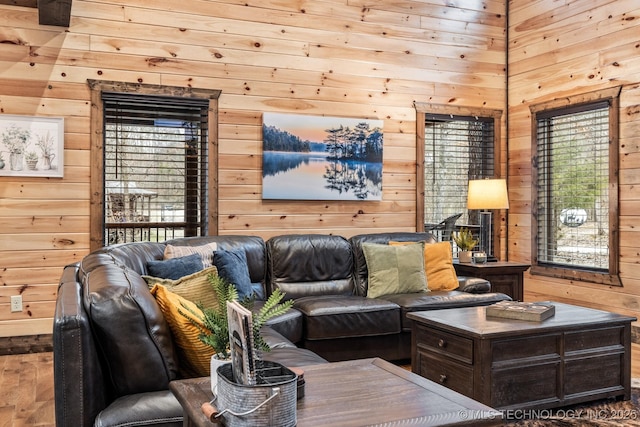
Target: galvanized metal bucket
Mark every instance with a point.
(271, 402)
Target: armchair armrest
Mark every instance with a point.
(473, 285)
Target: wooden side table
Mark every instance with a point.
(505, 276)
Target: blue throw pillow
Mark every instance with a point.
(232, 266)
(175, 268)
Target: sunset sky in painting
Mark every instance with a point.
(312, 128)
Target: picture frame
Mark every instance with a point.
(310, 157)
(31, 146)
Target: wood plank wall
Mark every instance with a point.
(558, 49)
(352, 58)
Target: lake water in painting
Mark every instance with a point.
(312, 176)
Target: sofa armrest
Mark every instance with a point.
(79, 386)
(154, 408)
(473, 285)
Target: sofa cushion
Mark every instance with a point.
(339, 316)
(193, 354)
(194, 287)
(436, 300)
(232, 266)
(310, 264)
(394, 269)
(288, 324)
(274, 339)
(175, 268)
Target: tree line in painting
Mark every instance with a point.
(342, 143)
(359, 143)
(280, 140)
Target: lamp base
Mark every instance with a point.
(485, 234)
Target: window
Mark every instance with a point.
(456, 145)
(575, 189)
(155, 166)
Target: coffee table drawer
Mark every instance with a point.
(593, 339)
(450, 374)
(445, 343)
(540, 346)
(526, 385)
(593, 374)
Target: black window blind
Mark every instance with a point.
(155, 167)
(457, 149)
(572, 186)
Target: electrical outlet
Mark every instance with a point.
(16, 303)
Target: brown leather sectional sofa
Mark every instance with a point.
(113, 351)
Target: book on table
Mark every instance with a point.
(532, 311)
(241, 343)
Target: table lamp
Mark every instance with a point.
(486, 194)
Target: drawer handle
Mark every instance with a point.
(443, 378)
(442, 343)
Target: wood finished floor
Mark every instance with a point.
(26, 388)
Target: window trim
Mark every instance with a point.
(612, 277)
(424, 108)
(96, 211)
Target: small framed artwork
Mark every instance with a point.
(321, 158)
(31, 146)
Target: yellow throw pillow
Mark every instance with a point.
(205, 251)
(438, 266)
(194, 287)
(194, 355)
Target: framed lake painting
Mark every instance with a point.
(31, 146)
(321, 158)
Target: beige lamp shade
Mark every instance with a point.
(487, 194)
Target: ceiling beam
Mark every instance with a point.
(22, 3)
(54, 12)
(50, 12)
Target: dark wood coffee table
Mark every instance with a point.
(359, 393)
(577, 355)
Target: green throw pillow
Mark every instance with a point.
(194, 287)
(394, 269)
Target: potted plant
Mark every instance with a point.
(32, 160)
(215, 332)
(15, 139)
(465, 241)
(45, 144)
